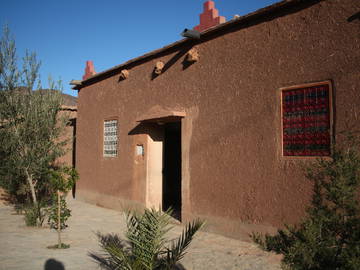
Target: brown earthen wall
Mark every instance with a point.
(69, 136)
(233, 172)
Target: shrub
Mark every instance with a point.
(34, 215)
(31, 215)
(329, 237)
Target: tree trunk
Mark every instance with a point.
(32, 187)
(58, 219)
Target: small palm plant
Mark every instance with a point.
(146, 247)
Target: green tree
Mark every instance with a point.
(146, 247)
(329, 237)
(30, 123)
(62, 179)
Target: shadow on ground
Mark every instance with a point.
(52, 264)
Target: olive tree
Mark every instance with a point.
(30, 123)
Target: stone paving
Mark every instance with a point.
(22, 247)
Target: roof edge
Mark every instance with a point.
(213, 30)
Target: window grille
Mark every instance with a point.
(110, 138)
(306, 120)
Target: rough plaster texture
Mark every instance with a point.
(233, 173)
(69, 136)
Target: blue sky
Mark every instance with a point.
(66, 33)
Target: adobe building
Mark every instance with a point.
(69, 107)
(220, 124)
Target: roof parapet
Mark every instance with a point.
(210, 17)
(89, 70)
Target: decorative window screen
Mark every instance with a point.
(306, 120)
(110, 138)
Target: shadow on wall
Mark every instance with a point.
(174, 59)
(354, 17)
(152, 129)
(52, 264)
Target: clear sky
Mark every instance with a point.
(66, 33)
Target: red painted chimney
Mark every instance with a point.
(89, 70)
(210, 17)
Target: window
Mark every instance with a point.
(306, 120)
(110, 138)
(139, 150)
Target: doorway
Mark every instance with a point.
(171, 182)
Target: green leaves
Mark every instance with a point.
(116, 253)
(329, 237)
(147, 247)
(146, 235)
(9, 74)
(52, 212)
(31, 123)
(177, 248)
(62, 178)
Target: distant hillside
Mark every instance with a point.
(68, 100)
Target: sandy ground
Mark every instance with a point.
(22, 247)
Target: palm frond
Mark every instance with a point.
(177, 249)
(145, 248)
(146, 234)
(116, 255)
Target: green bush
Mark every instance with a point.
(146, 247)
(52, 212)
(34, 215)
(329, 237)
(31, 216)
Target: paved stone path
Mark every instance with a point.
(22, 247)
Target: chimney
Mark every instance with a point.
(210, 17)
(89, 70)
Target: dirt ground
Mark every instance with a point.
(22, 247)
